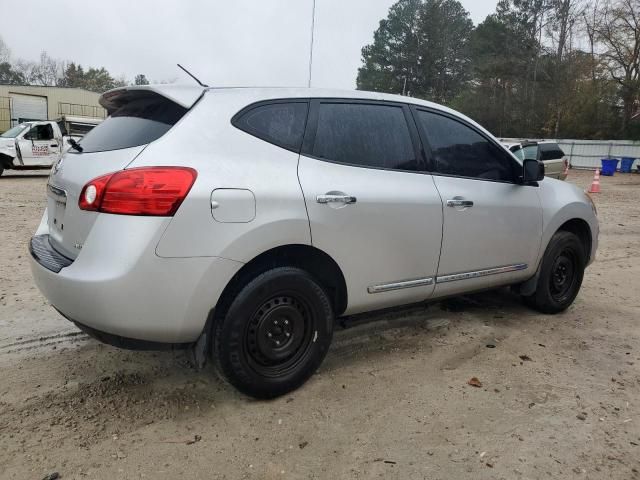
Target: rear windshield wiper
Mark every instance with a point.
(75, 145)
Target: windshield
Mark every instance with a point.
(15, 131)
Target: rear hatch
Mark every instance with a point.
(137, 117)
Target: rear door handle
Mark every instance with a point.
(459, 203)
(329, 198)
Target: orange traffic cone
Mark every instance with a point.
(595, 185)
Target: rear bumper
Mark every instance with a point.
(118, 285)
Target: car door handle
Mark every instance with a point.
(329, 198)
(55, 145)
(459, 203)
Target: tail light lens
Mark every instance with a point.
(147, 191)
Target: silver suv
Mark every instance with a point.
(242, 222)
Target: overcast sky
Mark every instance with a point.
(235, 42)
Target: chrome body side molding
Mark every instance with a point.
(454, 277)
(389, 287)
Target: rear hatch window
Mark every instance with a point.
(139, 121)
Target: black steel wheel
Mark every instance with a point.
(561, 274)
(275, 333)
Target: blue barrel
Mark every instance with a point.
(627, 163)
(609, 166)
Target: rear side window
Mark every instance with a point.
(550, 151)
(461, 151)
(279, 123)
(364, 135)
(138, 122)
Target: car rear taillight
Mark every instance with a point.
(148, 191)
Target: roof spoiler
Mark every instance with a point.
(184, 95)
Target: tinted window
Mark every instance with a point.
(367, 135)
(460, 150)
(550, 151)
(138, 122)
(279, 123)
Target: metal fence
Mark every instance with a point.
(588, 153)
(81, 110)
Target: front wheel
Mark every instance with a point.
(275, 333)
(561, 274)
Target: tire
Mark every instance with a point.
(1, 169)
(561, 274)
(275, 334)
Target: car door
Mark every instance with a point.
(39, 147)
(492, 224)
(370, 206)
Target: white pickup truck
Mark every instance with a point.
(39, 144)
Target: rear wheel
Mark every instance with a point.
(561, 274)
(275, 333)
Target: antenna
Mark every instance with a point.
(192, 76)
(313, 27)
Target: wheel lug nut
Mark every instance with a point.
(286, 322)
(287, 334)
(269, 335)
(277, 342)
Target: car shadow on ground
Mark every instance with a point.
(121, 390)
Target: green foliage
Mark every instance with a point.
(520, 72)
(94, 79)
(421, 49)
(141, 79)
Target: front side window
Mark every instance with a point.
(365, 135)
(461, 151)
(279, 123)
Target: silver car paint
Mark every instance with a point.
(391, 234)
(156, 278)
(502, 228)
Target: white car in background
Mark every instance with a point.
(243, 221)
(548, 152)
(40, 144)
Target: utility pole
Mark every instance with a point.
(313, 27)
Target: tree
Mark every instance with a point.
(73, 76)
(619, 33)
(421, 49)
(141, 79)
(9, 76)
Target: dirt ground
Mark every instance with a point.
(560, 396)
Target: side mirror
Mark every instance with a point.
(532, 171)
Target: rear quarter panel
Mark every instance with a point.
(228, 158)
